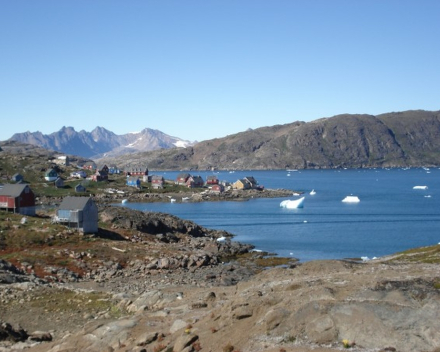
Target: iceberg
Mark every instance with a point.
(312, 192)
(420, 187)
(351, 199)
(292, 204)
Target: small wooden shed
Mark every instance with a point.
(79, 188)
(59, 183)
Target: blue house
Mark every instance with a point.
(134, 182)
(113, 169)
(17, 178)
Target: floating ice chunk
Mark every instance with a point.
(351, 199)
(312, 192)
(293, 204)
(420, 187)
(283, 203)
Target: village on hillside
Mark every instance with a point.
(78, 210)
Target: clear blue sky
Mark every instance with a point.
(201, 69)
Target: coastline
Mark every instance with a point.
(153, 282)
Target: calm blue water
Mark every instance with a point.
(391, 216)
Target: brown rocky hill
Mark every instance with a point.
(398, 139)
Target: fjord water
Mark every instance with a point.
(390, 217)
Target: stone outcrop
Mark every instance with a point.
(319, 306)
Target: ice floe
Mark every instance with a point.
(351, 199)
(420, 187)
(293, 204)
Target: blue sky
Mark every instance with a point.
(205, 69)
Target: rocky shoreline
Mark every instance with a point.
(204, 196)
(154, 282)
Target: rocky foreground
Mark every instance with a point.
(166, 284)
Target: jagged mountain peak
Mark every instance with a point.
(100, 141)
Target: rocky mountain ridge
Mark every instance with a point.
(100, 142)
(396, 139)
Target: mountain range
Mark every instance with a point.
(396, 139)
(100, 142)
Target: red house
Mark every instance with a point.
(212, 180)
(182, 178)
(101, 174)
(89, 165)
(18, 198)
(157, 181)
(218, 188)
(136, 171)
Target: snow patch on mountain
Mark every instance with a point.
(182, 144)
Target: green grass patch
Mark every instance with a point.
(429, 255)
(68, 301)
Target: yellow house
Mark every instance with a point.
(241, 184)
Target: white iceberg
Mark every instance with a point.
(292, 204)
(420, 187)
(351, 199)
(312, 192)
